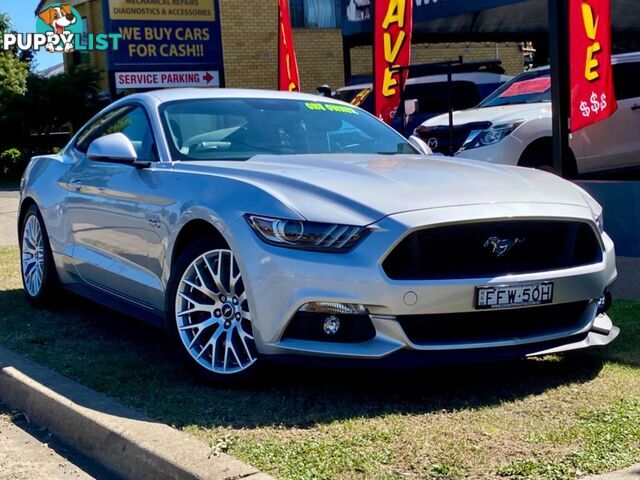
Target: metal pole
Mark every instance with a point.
(559, 50)
(450, 105)
(401, 110)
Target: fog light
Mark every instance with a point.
(331, 325)
(604, 303)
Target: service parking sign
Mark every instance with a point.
(138, 80)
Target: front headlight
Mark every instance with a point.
(322, 237)
(490, 136)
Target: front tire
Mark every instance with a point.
(208, 315)
(539, 155)
(38, 270)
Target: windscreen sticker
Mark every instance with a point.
(528, 87)
(359, 99)
(330, 107)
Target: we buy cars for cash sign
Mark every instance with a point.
(591, 74)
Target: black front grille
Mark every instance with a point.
(439, 138)
(495, 325)
(466, 251)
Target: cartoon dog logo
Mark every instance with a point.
(58, 18)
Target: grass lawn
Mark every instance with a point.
(555, 418)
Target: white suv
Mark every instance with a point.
(513, 125)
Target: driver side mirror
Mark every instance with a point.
(115, 148)
(420, 145)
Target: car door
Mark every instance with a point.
(614, 142)
(106, 210)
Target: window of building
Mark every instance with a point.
(82, 57)
(84, 39)
(315, 13)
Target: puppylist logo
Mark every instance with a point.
(59, 28)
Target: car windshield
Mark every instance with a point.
(238, 129)
(528, 87)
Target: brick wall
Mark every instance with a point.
(509, 53)
(319, 54)
(250, 42)
(97, 60)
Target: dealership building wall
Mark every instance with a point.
(249, 44)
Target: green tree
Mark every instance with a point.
(14, 67)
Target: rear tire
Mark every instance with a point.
(38, 271)
(208, 317)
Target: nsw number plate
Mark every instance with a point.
(508, 296)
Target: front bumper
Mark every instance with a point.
(280, 281)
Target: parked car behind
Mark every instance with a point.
(513, 125)
(431, 92)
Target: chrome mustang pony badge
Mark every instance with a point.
(501, 246)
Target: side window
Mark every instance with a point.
(131, 122)
(625, 77)
(433, 97)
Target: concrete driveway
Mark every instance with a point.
(8, 218)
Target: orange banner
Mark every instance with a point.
(592, 90)
(393, 22)
(288, 75)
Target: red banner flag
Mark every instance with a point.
(393, 24)
(288, 76)
(592, 90)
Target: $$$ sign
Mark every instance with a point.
(595, 105)
(592, 92)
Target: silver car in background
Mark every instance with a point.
(260, 225)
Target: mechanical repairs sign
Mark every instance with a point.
(165, 36)
(391, 50)
(592, 88)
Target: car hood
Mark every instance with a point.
(361, 189)
(495, 115)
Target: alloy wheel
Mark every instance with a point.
(212, 314)
(33, 256)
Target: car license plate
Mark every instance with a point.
(509, 296)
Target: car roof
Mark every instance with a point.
(477, 77)
(615, 59)
(172, 94)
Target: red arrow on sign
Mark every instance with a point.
(208, 77)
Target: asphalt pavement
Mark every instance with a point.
(24, 456)
(8, 218)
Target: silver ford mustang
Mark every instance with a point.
(260, 226)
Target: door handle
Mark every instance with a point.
(76, 184)
(155, 222)
(635, 107)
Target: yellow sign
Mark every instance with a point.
(163, 10)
